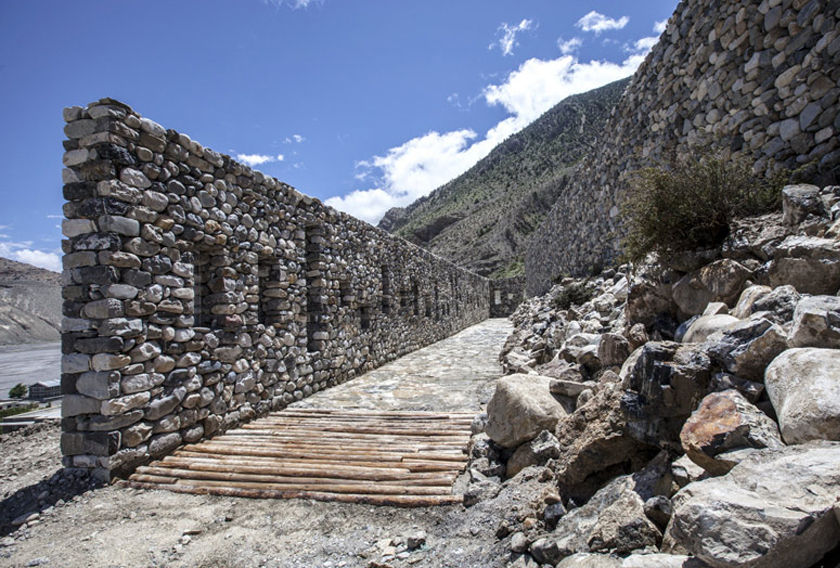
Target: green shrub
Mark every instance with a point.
(689, 203)
(18, 391)
(574, 294)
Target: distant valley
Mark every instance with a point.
(30, 304)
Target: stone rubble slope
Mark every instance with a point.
(714, 377)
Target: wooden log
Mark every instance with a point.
(416, 470)
(381, 500)
(413, 466)
(236, 479)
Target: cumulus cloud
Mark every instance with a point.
(417, 167)
(22, 252)
(596, 22)
(507, 41)
(297, 138)
(659, 27)
(570, 46)
(259, 159)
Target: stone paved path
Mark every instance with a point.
(454, 374)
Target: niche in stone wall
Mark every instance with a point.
(316, 289)
(273, 297)
(202, 316)
(364, 317)
(386, 291)
(437, 302)
(415, 298)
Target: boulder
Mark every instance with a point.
(594, 438)
(726, 421)
(716, 309)
(777, 305)
(685, 471)
(809, 264)
(666, 383)
(588, 560)
(521, 408)
(703, 327)
(613, 350)
(816, 322)
(747, 347)
(612, 520)
(800, 201)
(649, 296)
(773, 510)
(720, 281)
(744, 307)
(751, 390)
(662, 561)
(536, 452)
(804, 387)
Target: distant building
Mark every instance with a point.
(45, 389)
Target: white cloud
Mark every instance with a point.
(595, 22)
(259, 159)
(642, 45)
(570, 46)
(22, 252)
(293, 4)
(294, 138)
(415, 168)
(659, 27)
(508, 40)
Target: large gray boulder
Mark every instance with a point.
(720, 281)
(649, 297)
(726, 421)
(612, 520)
(773, 510)
(809, 264)
(665, 384)
(816, 322)
(594, 438)
(744, 307)
(800, 201)
(804, 387)
(705, 326)
(521, 408)
(747, 347)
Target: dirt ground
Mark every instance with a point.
(119, 527)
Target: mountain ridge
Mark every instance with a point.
(483, 219)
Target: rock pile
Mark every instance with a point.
(681, 413)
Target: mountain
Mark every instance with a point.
(30, 304)
(484, 218)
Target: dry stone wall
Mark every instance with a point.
(760, 77)
(199, 293)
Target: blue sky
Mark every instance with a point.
(363, 104)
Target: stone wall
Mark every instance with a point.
(760, 77)
(199, 293)
(505, 295)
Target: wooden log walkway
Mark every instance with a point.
(403, 459)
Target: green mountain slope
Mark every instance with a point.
(484, 218)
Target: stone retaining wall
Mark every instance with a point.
(199, 293)
(760, 77)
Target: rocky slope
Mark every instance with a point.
(30, 304)
(484, 218)
(679, 415)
